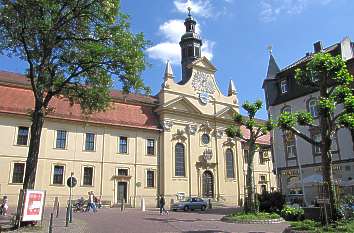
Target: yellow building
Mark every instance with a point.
(172, 143)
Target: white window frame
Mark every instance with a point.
(52, 174)
(313, 107)
(146, 183)
(118, 145)
(317, 138)
(56, 137)
(146, 141)
(284, 86)
(291, 148)
(12, 168)
(94, 141)
(16, 135)
(83, 173)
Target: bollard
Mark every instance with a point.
(142, 204)
(67, 217)
(210, 205)
(51, 223)
(122, 206)
(58, 206)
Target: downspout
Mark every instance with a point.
(238, 176)
(216, 154)
(102, 161)
(189, 165)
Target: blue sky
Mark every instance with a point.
(236, 34)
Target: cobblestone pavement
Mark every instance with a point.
(134, 221)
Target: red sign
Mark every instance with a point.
(33, 205)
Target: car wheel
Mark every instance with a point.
(186, 208)
(203, 208)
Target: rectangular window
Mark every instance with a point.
(123, 145)
(150, 148)
(22, 135)
(284, 86)
(317, 138)
(88, 176)
(334, 145)
(61, 139)
(58, 174)
(291, 149)
(245, 155)
(90, 142)
(263, 188)
(197, 51)
(262, 178)
(122, 172)
(261, 157)
(150, 179)
(18, 172)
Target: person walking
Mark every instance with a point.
(91, 202)
(162, 206)
(4, 205)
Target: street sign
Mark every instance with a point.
(71, 182)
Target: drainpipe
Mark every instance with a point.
(238, 175)
(189, 165)
(102, 156)
(217, 155)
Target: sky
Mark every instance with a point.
(236, 36)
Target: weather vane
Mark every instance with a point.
(189, 11)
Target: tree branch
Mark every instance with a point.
(304, 136)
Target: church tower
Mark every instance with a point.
(191, 44)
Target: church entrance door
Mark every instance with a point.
(208, 184)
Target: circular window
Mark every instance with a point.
(205, 138)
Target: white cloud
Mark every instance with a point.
(169, 49)
(202, 8)
(271, 9)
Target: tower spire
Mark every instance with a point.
(273, 67)
(232, 89)
(168, 70)
(190, 46)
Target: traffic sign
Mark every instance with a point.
(71, 182)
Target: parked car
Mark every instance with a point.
(190, 204)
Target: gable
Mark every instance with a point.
(226, 113)
(181, 104)
(203, 63)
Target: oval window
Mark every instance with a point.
(205, 139)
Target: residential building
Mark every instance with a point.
(298, 163)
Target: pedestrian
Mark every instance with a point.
(162, 206)
(4, 205)
(91, 202)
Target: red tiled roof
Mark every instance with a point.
(264, 140)
(18, 100)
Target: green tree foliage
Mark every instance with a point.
(256, 130)
(74, 49)
(329, 75)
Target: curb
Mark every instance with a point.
(271, 221)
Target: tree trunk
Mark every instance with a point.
(250, 200)
(32, 158)
(327, 173)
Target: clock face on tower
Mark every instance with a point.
(202, 82)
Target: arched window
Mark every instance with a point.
(313, 107)
(286, 109)
(230, 173)
(179, 160)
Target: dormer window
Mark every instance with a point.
(284, 86)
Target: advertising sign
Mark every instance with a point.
(33, 205)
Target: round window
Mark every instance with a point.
(205, 139)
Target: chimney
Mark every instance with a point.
(317, 47)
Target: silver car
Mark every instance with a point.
(190, 204)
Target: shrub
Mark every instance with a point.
(292, 214)
(347, 206)
(243, 216)
(306, 225)
(271, 202)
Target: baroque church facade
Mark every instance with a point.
(172, 144)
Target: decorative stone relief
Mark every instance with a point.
(167, 125)
(192, 129)
(179, 135)
(206, 127)
(229, 142)
(219, 133)
(202, 82)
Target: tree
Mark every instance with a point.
(328, 75)
(256, 130)
(73, 49)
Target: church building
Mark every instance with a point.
(172, 144)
